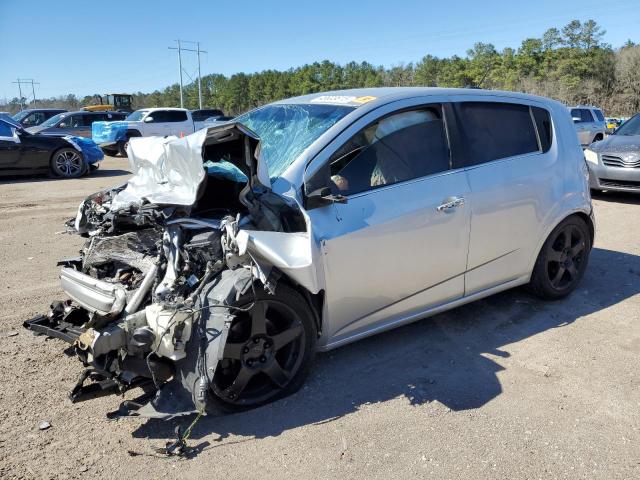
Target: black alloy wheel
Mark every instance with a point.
(268, 352)
(563, 259)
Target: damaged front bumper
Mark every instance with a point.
(150, 300)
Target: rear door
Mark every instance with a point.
(179, 123)
(399, 244)
(584, 123)
(511, 165)
(10, 148)
(156, 123)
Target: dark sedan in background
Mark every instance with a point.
(75, 123)
(32, 117)
(24, 153)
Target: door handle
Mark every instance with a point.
(449, 203)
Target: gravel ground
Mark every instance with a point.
(508, 387)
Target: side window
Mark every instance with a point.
(89, 119)
(583, 114)
(599, 115)
(397, 148)
(176, 116)
(543, 125)
(492, 130)
(35, 118)
(72, 121)
(159, 116)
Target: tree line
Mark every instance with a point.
(571, 64)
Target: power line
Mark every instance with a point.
(181, 49)
(27, 81)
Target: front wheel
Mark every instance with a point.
(67, 163)
(269, 350)
(562, 261)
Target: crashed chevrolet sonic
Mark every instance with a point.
(234, 254)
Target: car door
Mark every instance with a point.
(156, 123)
(69, 125)
(584, 124)
(399, 244)
(512, 173)
(179, 123)
(10, 148)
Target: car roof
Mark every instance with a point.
(380, 95)
(96, 112)
(60, 110)
(153, 109)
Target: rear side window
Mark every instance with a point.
(543, 125)
(599, 115)
(201, 115)
(492, 131)
(175, 116)
(582, 114)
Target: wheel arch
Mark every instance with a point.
(580, 213)
(314, 300)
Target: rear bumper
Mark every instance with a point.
(602, 177)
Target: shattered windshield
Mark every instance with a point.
(630, 127)
(286, 130)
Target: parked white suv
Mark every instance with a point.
(590, 124)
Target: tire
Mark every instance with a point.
(67, 163)
(264, 364)
(562, 261)
(111, 152)
(122, 147)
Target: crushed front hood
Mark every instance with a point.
(169, 170)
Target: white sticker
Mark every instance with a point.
(334, 99)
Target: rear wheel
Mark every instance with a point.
(268, 353)
(563, 260)
(67, 163)
(122, 147)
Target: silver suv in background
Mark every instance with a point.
(590, 124)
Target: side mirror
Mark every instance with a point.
(576, 119)
(323, 196)
(148, 119)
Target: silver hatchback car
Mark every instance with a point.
(234, 254)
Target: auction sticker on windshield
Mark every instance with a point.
(334, 99)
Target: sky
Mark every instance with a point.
(87, 47)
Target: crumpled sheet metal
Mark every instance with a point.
(289, 252)
(105, 133)
(167, 171)
(90, 151)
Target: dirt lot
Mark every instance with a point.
(509, 387)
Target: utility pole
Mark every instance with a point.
(199, 79)
(27, 81)
(181, 49)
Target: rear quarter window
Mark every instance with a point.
(492, 130)
(599, 115)
(175, 116)
(544, 127)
